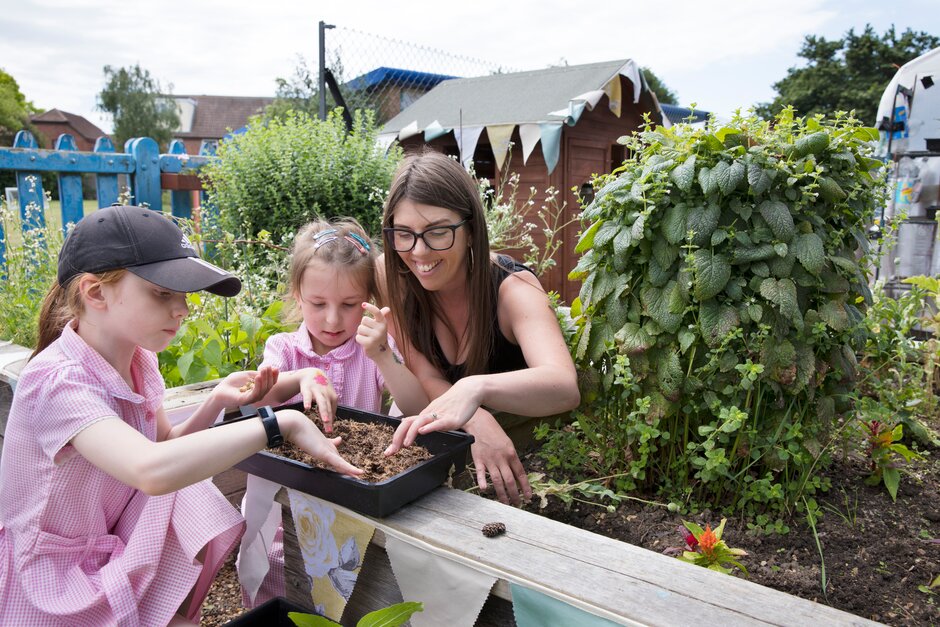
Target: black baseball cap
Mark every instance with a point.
(144, 242)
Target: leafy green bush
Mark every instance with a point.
(284, 172)
(721, 306)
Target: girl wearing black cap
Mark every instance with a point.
(106, 515)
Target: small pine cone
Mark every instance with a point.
(493, 529)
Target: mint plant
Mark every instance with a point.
(724, 281)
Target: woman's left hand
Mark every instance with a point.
(449, 411)
(246, 387)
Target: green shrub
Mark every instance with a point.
(721, 307)
(284, 172)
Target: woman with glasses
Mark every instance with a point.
(477, 329)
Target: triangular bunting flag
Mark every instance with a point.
(385, 140)
(551, 143)
(434, 130)
(534, 609)
(408, 131)
(631, 71)
(333, 545)
(467, 138)
(500, 135)
(262, 519)
(612, 89)
(530, 135)
(452, 594)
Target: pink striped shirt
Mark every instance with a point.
(77, 546)
(356, 379)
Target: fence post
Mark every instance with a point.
(29, 186)
(106, 185)
(146, 177)
(70, 187)
(181, 201)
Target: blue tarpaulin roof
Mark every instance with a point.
(395, 75)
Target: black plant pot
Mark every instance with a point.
(271, 613)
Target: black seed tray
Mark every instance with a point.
(447, 448)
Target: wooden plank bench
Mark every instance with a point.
(611, 579)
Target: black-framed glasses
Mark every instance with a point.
(435, 238)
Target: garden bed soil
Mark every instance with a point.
(877, 553)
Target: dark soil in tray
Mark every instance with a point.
(363, 446)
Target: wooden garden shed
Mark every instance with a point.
(554, 128)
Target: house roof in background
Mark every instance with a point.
(78, 123)
(214, 115)
(515, 98)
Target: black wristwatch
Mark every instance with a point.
(271, 428)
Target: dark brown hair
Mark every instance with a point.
(61, 304)
(351, 249)
(434, 179)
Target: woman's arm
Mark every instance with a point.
(162, 467)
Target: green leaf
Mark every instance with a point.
(302, 619)
(686, 338)
(587, 239)
(632, 339)
(670, 375)
(702, 222)
(674, 223)
(711, 274)
(728, 176)
(606, 233)
(622, 242)
(777, 215)
(684, 175)
(755, 311)
(834, 315)
(759, 179)
(656, 303)
(810, 252)
(705, 181)
(892, 479)
(391, 616)
(750, 254)
(781, 249)
(812, 144)
(184, 363)
(830, 190)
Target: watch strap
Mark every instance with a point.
(271, 428)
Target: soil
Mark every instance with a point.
(363, 446)
(876, 553)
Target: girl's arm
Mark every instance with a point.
(402, 384)
(161, 467)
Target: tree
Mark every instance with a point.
(14, 109)
(656, 85)
(846, 74)
(139, 109)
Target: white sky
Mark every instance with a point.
(720, 55)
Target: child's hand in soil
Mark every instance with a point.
(372, 334)
(316, 388)
(245, 388)
(300, 430)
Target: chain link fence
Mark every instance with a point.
(386, 75)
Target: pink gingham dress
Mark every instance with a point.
(358, 383)
(77, 546)
(356, 379)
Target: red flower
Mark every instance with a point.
(708, 541)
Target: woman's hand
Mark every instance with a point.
(494, 454)
(449, 411)
(246, 387)
(372, 334)
(300, 430)
(316, 388)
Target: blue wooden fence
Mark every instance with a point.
(149, 173)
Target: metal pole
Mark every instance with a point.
(321, 91)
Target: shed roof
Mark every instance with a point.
(515, 98)
(78, 123)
